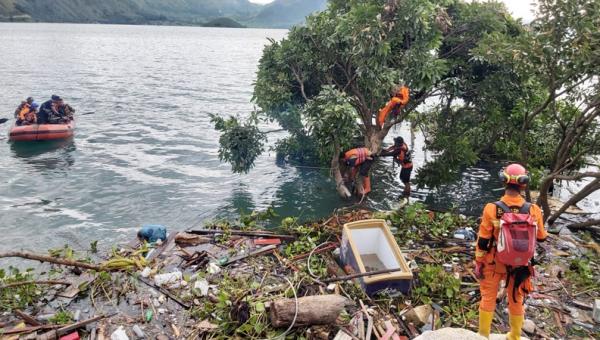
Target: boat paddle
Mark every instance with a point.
(3, 120)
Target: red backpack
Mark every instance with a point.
(517, 236)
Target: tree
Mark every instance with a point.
(559, 110)
(359, 51)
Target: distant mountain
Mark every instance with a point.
(280, 13)
(286, 13)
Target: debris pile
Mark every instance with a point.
(234, 280)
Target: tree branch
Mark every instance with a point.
(578, 176)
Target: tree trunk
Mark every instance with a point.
(337, 174)
(591, 225)
(583, 193)
(542, 200)
(312, 310)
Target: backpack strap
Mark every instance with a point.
(525, 208)
(501, 208)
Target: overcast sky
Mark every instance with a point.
(519, 8)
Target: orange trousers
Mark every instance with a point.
(489, 285)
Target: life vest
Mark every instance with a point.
(515, 245)
(360, 154)
(24, 111)
(404, 158)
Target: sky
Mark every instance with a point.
(519, 8)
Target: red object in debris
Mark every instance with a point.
(267, 241)
(72, 336)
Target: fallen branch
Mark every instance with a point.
(242, 233)
(50, 259)
(164, 291)
(592, 225)
(23, 283)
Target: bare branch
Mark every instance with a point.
(578, 176)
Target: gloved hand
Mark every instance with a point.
(478, 270)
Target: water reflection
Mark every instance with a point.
(46, 155)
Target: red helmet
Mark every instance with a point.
(514, 174)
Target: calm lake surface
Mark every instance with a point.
(148, 153)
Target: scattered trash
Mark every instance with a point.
(138, 331)
(167, 278)
(596, 313)
(119, 334)
(225, 282)
(465, 234)
(152, 233)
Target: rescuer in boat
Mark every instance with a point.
(506, 243)
(358, 161)
(49, 109)
(64, 113)
(398, 101)
(402, 156)
(28, 114)
(26, 103)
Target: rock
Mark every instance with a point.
(162, 299)
(162, 337)
(138, 331)
(529, 326)
(161, 311)
(596, 312)
(419, 315)
(451, 334)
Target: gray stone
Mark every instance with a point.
(529, 326)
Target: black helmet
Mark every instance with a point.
(398, 140)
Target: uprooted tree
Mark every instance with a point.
(544, 109)
(325, 83)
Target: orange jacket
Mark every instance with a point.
(24, 111)
(398, 101)
(361, 155)
(490, 226)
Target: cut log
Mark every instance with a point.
(312, 310)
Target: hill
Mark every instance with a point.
(286, 13)
(223, 22)
(280, 13)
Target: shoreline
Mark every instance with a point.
(228, 289)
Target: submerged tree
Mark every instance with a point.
(326, 81)
(541, 110)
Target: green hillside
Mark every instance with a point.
(286, 13)
(280, 13)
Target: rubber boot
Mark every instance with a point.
(485, 323)
(516, 324)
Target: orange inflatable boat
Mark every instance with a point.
(41, 132)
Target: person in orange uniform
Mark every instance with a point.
(491, 271)
(360, 161)
(398, 101)
(402, 156)
(27, 115)
(24, 104)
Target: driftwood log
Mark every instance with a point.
(312, 310)
(50, 259)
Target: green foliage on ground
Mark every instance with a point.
(21, 296)
(414, 223)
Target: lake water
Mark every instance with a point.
(148, 153)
